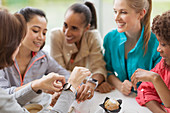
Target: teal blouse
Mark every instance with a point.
(114, 55)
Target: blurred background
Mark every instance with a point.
(55, 10)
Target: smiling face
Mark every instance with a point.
(164, 49)
(74, 26)
(36, 33)
(126, 18)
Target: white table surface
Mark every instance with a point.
(129, 104)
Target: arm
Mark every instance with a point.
(53, 66)
(159, 85)
(96, 60)
(67, 97)
(56, 38)
(8, 103)
(5, 84)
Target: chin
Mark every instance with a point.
(120, 30)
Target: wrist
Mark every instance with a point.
(35, 86)
(93, 82)
(74, 84)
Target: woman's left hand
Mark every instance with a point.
(86, 91)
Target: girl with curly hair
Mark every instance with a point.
(154, 92)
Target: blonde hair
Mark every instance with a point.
(139, 5)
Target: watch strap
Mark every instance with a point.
(93, 81)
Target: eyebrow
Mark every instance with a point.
(38, 27)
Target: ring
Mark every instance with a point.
(89, 91)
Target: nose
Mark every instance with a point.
(159, 48)
(67, 32)
(41, 36)
(117, 17)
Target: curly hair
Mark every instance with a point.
(161, 26)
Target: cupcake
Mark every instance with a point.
(111, 105)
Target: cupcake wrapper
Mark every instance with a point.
(109, 111)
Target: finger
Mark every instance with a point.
(59, 78)
(48, 91)
(91, 95)
(58, 85)
(79, 90)
(84, 93)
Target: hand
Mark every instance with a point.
(126, 87)
(105, 87)
(78, 75)
(55, 97)
(86, 91)
(49, 83)
(143, 76)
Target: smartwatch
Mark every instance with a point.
(93, 81)
(68, 86)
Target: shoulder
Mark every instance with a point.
(112, 36)
(92, 34)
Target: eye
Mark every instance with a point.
(35, 31)
(65, 25)
(124, 12)
(115, 12)
(162, 44)
(44, 34)
(74, 28)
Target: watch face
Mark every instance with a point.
(94, 80)
(66, 86)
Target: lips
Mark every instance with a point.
(120, 25)
(38, 44)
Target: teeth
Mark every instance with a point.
(69, 38)
(37, 43)
(120, 24)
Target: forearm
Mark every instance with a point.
(162, 90)
(18, 88)
(113, 80)
(25, 94)
(64, 102)
(99, 77)
(155, 107)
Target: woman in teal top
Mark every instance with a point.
(131, 45)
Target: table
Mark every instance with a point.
(129, 104)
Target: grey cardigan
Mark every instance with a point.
(41, 64)
(9, 103)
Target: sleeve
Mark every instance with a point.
(4, 82)
(64, 102)
(25, 94)
(147, 92)
(56, 38)
(107, 56)
(9, 104)
(53, 66)
(97, 63)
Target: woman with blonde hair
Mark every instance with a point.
(132, 45)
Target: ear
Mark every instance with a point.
(142, 14)
(88, 27)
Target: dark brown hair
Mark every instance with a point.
(161, 26)
(89, 12)
(12, 31)
(139, 5)
(30, 12)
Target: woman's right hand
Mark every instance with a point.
(78, 75)
(49, 83)
(126, 87)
